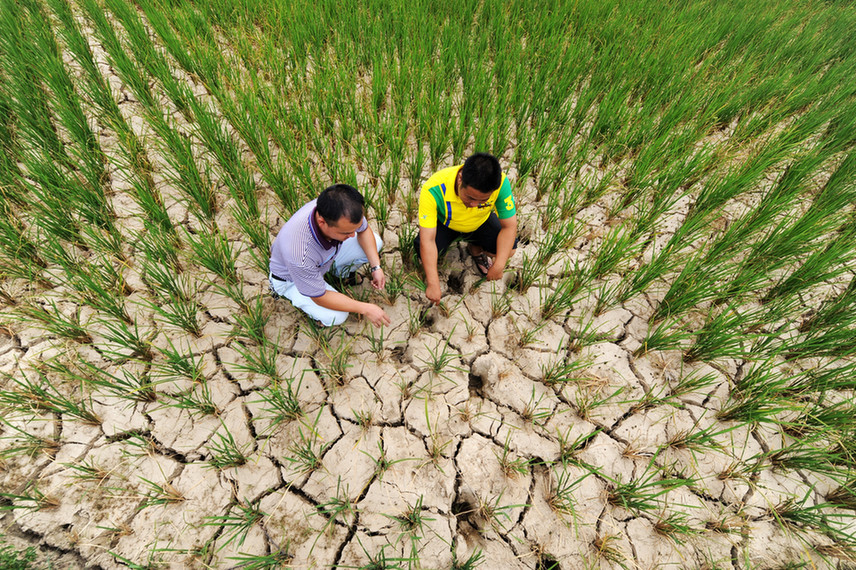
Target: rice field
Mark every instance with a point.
(663, 379)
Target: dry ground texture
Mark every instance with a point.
(664, 377)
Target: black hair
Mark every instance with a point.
(340, 200)
(482, 172)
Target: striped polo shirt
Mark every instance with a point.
(301, 254)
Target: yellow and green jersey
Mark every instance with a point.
(439, 204)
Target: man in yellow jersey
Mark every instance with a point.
(473, 202)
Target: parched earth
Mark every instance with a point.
(476, 432)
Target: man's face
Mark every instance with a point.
(340, 231)
(471, 197)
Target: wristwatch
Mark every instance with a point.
(374, 268)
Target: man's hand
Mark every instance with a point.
(432, 291)
(495, 272)
(375, 315)
(378, 279)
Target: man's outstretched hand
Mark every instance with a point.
(376, 315)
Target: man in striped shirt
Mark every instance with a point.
(330, 232)
(472, 202)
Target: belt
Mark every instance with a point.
(279, 278)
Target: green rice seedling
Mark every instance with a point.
(259, 360)
(338, 357)
(306, 454)
(281, 558)
(440, 357)
(42, 395)
(31, 499)
(382, 462)
(134, 387)
(338, 508)
(120, 334)
(196, 400)
(237, 522)
(475, 559)
(224, 450)
(559, 300)
(562, 371)
(214, 252)
(178, 362)
(560, 495)
(643, 494)
(676, 527)
(250, 324)
(14, 559)
(667, 335)
(282, 401)
(570, 448)
(490, 513)
(511, 468)
(27, 444)
(416, 318)
(159, 494)
(49, 318)
(799, 516)
(89, 470)
(587, 400)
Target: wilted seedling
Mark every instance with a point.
(606, 548)
(560, 495)
(89, 471)
(159, 494)
(339, 359)
(28, 445)
(31, 499)
(440, 357)
(676, 527)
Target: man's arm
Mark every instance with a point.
(504, 247)
(428, 253)
(366, 239)
(339, 302)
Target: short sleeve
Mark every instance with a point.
(505, 206)
(427, 208)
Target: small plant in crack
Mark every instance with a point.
(606, 548)
(306, 454)
(363, 418)
(338, 358)
(490, 513)
(178, 362)
(28, 445)
(676, 527)
(89, 471)
(511, 467)
(30, 499)
(196, 401)
(475, 559)
(440, 357)
(382, 462)
(561, 493)
(417, 317)
(500, 304)
(532, 411)
(159, 494)
(644, 493)
(237, 522)
(570, 447)
(281, 558)
(225, 451)
(376, 342)
(412, 520)
(339, 507)
(282, 402)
